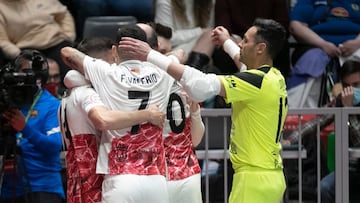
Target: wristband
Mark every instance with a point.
(196, 119)
(174, 58)
(231, 48)
(196, 114)
(159, 60)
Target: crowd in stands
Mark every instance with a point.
(323, 42)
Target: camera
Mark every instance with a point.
(19, 82)
(16, 88)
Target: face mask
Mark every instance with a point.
(356, 99)
(52, 87)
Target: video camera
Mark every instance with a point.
(18, 86)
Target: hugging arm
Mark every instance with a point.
(73, 58)
(197, 125)
(198, 85)
(104, 119)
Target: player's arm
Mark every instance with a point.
(198, 85)
(197, 125)
(104, 119)
(73, 58)
(220, 36)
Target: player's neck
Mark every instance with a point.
(261, 63)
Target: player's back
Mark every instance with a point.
(132, 85)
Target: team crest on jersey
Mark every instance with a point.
(135, 70)
(34, 113)
(230, 81)
(340, 12)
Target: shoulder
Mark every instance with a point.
(253, 77)
(45, 95)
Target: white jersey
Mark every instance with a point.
(132, 85)
(82, 139)
(183, 169)
(80, 101)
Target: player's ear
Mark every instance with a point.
(261, 47)
(114, 53)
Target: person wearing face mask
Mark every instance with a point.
(349, 97)
(356, 99)
(53, 82)
(347, 94)
(32, 169)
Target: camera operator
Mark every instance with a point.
(32, 173)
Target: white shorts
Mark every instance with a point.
(131, 188)
(185, 190)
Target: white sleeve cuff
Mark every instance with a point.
(231, 48)
(159, 60)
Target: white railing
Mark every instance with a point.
(215, 144)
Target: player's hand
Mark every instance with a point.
(131, 48)
(219, 35)
(180, 54)
(156, 116)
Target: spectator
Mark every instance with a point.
(138, 85)
(251, 158)
(238, 20)
(34, 167)
(347, 97)
(191, 23)
(53, 84)
(43, 25)
(326, 30)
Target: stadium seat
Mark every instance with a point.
(105, 26)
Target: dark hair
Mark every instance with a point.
(95, 44)
(162, 30)
(133, 31)
(272, 33)
(349, 67)
(152, 40)
(38, 65)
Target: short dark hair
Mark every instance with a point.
(162, 30)
(153, 40)
(272, 33)
(349, 67)
(133, 31)
(95, 45)
(39, 64)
